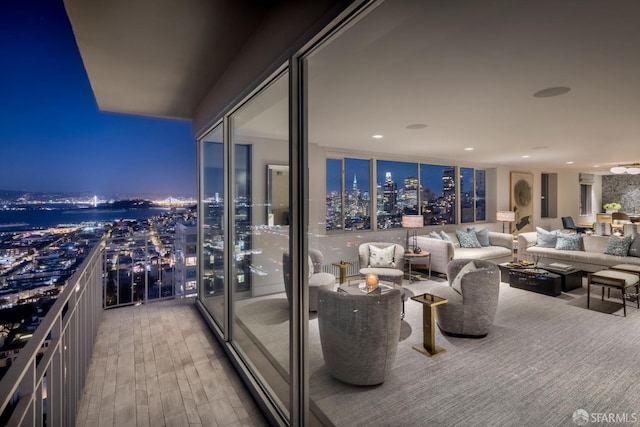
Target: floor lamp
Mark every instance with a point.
(505, 216)
(413, 221)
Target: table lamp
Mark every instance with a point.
(505, 216)
(413, 221)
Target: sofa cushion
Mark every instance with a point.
(595, 244)
(634, 248)
(481, 235)
(311, 267)
(618, 246)
(546, 239)
(457, 281)
(381, 257)
(435, 235)
(468, 239)
(445, 236)
(569, 242)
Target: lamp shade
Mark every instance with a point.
(412, 221)
(506, 216)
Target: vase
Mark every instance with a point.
(610, 211)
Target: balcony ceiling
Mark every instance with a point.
(159, 57)
(468, 70)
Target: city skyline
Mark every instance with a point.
(54, 138)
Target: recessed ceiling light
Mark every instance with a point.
(551, 91)
(569, 163)
(377, 136)
(468, 149)
(525, 157)
(416, 126)
(596, 166)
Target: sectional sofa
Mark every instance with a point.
(500, 249)
(590, 258)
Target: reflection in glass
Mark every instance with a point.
(259, 138)
(212, 182)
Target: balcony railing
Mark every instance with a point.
(45, 382)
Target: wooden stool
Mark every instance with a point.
(613, 279)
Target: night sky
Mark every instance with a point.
(52, 136)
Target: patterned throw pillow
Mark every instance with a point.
(381, 257)
(546, 239)
(634, 249)
(468, 239)
(435, 235)
(445, 236)
(457, 282)
(618, 246)
(569, 242)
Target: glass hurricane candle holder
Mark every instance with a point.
(371, 282)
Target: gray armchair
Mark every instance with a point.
(359, 334)
(472, 312)
(392, 272)
(317, 280)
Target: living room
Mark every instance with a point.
(428, 86)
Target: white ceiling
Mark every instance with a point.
(468, 70)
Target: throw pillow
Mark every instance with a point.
(445, 236)
(468, 239)
(482, 236)
(381, 257)
(618, 246)
(569, 242)
(546, 239)
(435, 235)
(457, 282)
(311, 268)
(634, 249)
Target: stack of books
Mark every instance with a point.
(560, 266)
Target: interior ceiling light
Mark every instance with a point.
(569, 162)
(377, 136)
(525, 157)
(551, 91)
(416, 126)
(468, 149)
(631, 169)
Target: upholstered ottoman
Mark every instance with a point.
(614, 279)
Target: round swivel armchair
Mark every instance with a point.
(317, 278)
(473, 299)
(359, 334)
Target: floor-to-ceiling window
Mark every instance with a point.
(212, 201)
(259, 155)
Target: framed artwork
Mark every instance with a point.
(521, 200)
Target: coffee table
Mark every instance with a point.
(532, 279)
(384, 287)
(429, 303)
(571, 278)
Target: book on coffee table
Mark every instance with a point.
(560, 266)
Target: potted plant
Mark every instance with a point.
(612, 207)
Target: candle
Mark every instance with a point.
(372, 282)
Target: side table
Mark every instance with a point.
(411, 258)
(429, 303)
(342, 265)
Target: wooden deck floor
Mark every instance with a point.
(159, 365)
